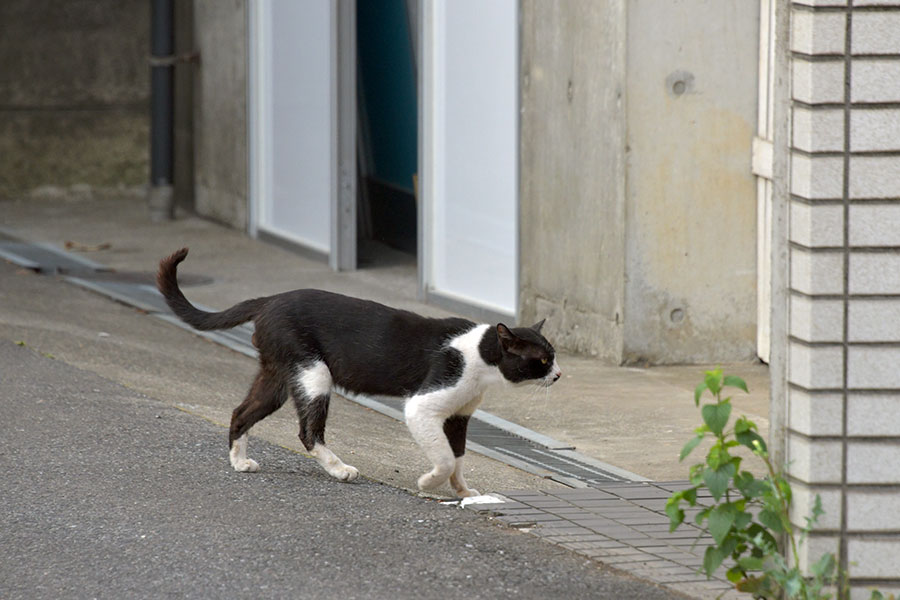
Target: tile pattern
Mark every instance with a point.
(622, 525)
(844, 317)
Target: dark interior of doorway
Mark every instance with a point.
(387, 132)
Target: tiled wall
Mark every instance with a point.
(844, 323)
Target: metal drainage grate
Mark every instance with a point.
(46, 259)
(487, 434)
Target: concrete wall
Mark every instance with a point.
(842, 404)
(73, 93)
(572, 183)
(690, 236)
(220, 111)
(638, 207)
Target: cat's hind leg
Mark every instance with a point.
(312, 395)
(267, 394)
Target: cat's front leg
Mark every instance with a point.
(427, 429)
(443, 438)
(455, 428)
(458, 482)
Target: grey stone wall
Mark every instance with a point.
(74, 93)
(690, 292)
(572, 173)
(220, 111)
(638, 207)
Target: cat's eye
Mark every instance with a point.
(543, 361)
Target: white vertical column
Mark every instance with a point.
(469, 175)
(294, 119)
(844, 350)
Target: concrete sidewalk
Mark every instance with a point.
(636, 419)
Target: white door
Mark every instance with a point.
(762, 168)
(293, 120)
(469, 152)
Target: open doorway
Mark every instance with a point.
(387, 146)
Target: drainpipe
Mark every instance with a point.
(161, 198)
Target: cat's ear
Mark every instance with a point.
(507, 338)
(509, 341)
(537, 326)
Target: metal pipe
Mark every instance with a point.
(162, 47)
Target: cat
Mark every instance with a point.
(311, 342)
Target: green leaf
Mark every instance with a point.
(717, 456)
(720, 521)
(690, 495)
(735, 382)
(785, 488)
(744, 424)
(793, 584)
(825, 566)
(701, 516)
(676, 515)
(716, 416)
(695, 474)
(734, 574)
(689, 447)
(757, 488)
(817, 511)
(712, 559)
(750, 439)
(750, 563)
(771, 520)
(698, 391)
(762, 538)
(717, 479)
(742, 520)
(716, 554)
(713, 381)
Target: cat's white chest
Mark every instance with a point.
(475, 377)
(476, 374)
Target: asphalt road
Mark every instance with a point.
(107, 493)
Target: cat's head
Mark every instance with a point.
(526, 355)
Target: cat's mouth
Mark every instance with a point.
(553, 376)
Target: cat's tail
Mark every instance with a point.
(167, 282)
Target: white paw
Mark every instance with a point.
(429, 481)
(344, 473)
(245, 465)
(467, 493)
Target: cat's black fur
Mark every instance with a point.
(368, 348)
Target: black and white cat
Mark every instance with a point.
(312, 341)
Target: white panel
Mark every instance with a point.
(296, 113)
(473, 218)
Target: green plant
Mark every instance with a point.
(748, 517)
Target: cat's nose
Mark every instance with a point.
(557, 375)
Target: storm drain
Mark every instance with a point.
(487, 434)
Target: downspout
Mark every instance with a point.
(161, 198)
